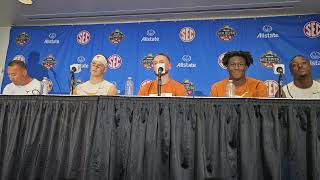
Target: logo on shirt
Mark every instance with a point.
(226, 33)
(186, 62)
(312, 29)
(272, 87)
(189, 87)
(267, 33)
(83, 37)
(150, 36)
(116, 36)
(19, 58)
(315, 58)
(147, 61)
(49, 62)
(145, 82)
(220, 60)
(114, 61)
(52, 39)
(269, 59)
(22, 39)
(187, 34)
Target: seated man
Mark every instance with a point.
(169, 87)
(237, 62)
(302, 85)
(97, 85)
(22, 83)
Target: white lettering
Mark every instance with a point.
(186, 65)
(150, 39)
(267, 35)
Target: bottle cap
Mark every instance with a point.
(129, 77)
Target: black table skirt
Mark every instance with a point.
(139, 138)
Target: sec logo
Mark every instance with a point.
(312, 29)
(83, 37)
(187, 34)
(272, 87)
(114, 61)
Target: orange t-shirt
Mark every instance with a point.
(172, 88)
(251, 88)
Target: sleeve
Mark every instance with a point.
(262, 90)
(143, 91)
(214, 91)
(181, 91)
(5, 90)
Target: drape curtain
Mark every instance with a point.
(117, 138)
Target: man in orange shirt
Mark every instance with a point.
(169, 87)
(237, 62)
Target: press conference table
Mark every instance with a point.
(63, 137)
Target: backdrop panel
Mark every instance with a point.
(194, 47)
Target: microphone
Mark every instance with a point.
(75, 68)
(161, 68)
(278, 69)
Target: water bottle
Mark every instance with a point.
(230, 89)
(129, 87)
(45, 86)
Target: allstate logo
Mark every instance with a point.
(150, 36)
(51, 39)
(52, 35)
(186, 58)
(315, 55)
(267, 28)
(81, 59)
(186, 62)
(267, 33)
(151, 32)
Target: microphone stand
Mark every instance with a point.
(280, 83)
(72, 82)
(159, 81)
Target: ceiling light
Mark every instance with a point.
(25, 1)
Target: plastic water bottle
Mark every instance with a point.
(230, 89)
(129, 87)
(45, 86)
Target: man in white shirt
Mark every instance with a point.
(97, 85)
(302, 85)
(22, 83)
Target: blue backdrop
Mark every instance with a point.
(194, 47)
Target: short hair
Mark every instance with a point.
(18, 63)
(244, 54)
(162, 54)
(291, 60)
